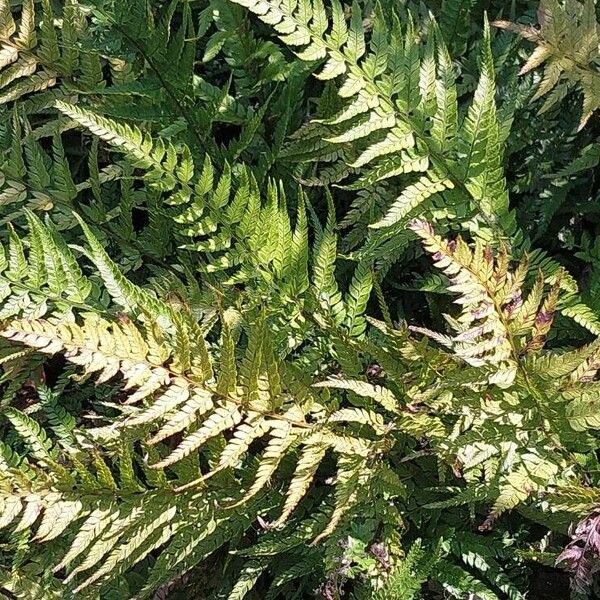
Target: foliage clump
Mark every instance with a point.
(265, 334)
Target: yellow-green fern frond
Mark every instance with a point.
(567, 45)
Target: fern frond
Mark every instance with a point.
(412, 197)
(145, 152)
(482, 332)
(382, 81)
(567, 43)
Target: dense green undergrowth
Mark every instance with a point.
(298, 298)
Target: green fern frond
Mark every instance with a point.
(383, 82)
(162, 158)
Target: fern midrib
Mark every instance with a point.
(481, 117)
(102, 493)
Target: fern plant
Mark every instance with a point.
(500, 333)
(228, 369)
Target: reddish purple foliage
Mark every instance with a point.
(543, 318)
(581, 557)
(380, 553)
